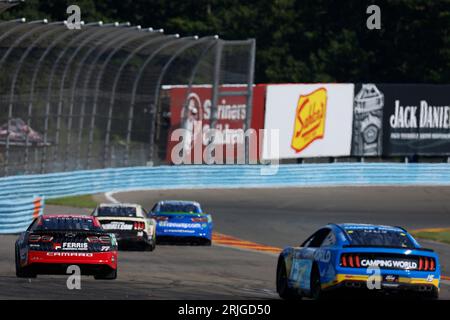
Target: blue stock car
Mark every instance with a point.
(358, 257)
(182, 222)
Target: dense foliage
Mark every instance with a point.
(297, 40)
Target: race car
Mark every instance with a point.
(52, 243)
(182, 222)
(386, 259)
(130, 224)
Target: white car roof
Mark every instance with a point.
(115, 205)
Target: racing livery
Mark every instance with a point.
(358, 256)
(182, 221)
(54, 242)
(130, 224)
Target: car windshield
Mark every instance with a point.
(379, 237)
(185, 208)
(62, 224)
(116, 212)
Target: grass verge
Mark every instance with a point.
(85, 201)
(438, 234)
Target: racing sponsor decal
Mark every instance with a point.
(182, 225)
(179, 231)
(389, 263)
(70, 254)
(391, 278)
(71, 246)
(309, 119)
(117, 225)
(300, 273)
(322, 256)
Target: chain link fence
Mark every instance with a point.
(92, 98)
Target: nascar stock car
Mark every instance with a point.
(130, 223)
(358, 256)
(54, 242)
(182, 222)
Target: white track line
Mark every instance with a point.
(110, 198)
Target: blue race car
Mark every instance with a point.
(182, 222)
(358, 256)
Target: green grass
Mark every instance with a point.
(440, 236)
(85, 201)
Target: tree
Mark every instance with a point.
(297, 41)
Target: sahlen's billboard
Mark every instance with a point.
(313, 120)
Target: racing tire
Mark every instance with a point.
(283, 289)
(110, 275)
(22, 272)
(207, 242)
(149, 246)
(433, 295)
(316, 286)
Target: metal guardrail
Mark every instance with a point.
(18, 192)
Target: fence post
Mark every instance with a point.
(249, 106)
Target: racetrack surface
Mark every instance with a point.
(273, 217)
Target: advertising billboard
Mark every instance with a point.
(401, 120)
(314, 120)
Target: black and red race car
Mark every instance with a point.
(54, 242)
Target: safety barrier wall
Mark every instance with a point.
(18, 193)
(17, 214)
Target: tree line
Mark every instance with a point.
(297, 40)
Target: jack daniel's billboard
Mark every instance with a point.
(416, 120)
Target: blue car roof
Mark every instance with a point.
(346, 226)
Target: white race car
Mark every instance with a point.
(130, 224)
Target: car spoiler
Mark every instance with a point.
(388, 247)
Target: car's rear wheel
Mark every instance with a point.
(316, 286)
(282, 282)
(109, 275)
(22, 272)
(433, 294)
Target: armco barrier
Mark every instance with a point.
(17, 214)
(14, 189)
